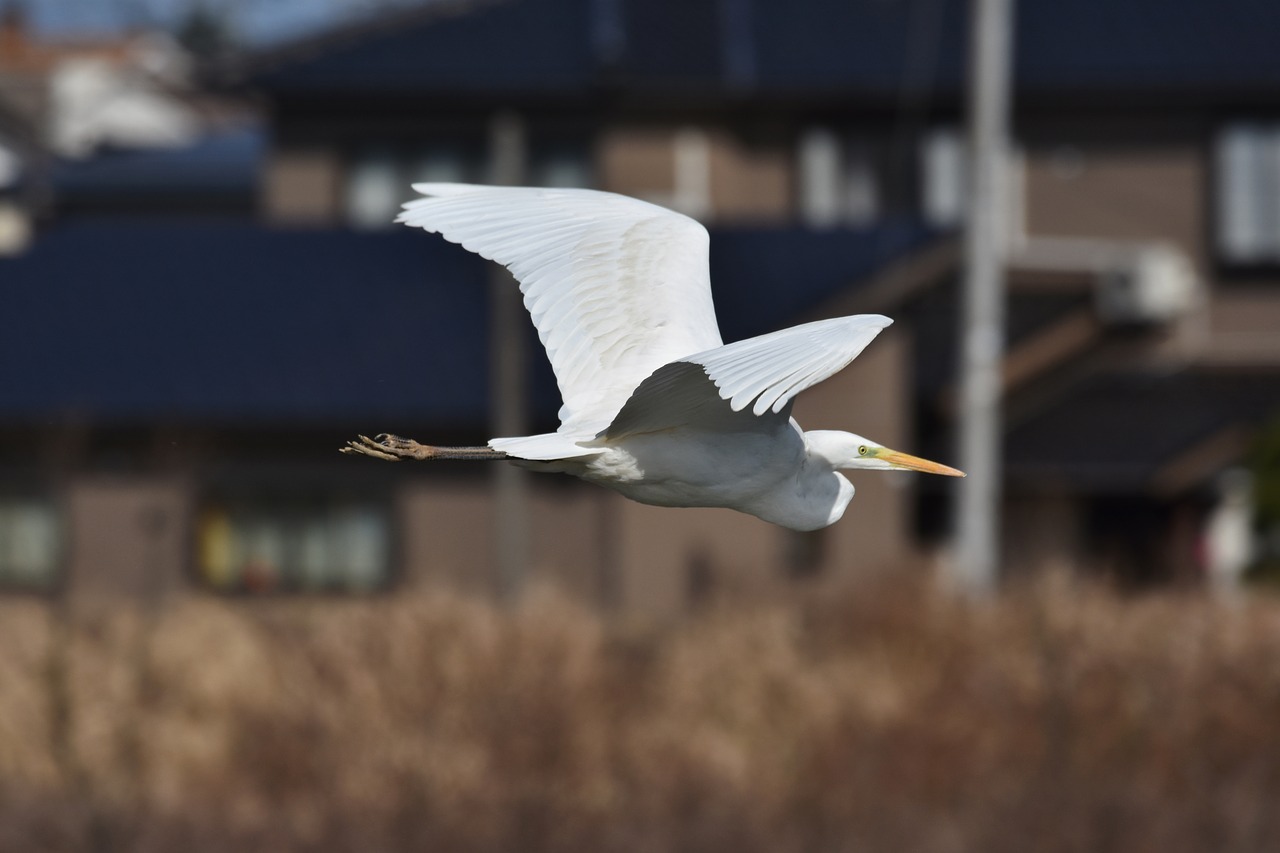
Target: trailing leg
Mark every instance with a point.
(393, 448)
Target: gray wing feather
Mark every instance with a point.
(711, 389)
(772, 369)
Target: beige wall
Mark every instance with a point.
(1244, 327)
(302, 186)
(665, 554)
(748, 182)
(637, 161)
(586, 541)
(446, 534)
(448, 531)
(128, 538)
(1119, 192)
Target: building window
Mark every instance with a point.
(30, 543)
(691, 189)
(1248, 193)
(560, 163)
(443, 162)
(379, 177)
(302, 545)
(944, 180)
(838, 183)
(10, 165)
(376, 186)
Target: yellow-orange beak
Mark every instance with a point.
(915, 463)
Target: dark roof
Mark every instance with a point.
(1084, 45)
(483, 47)
(1115, 432)
(225, 163)
(765, 278)
(228, 321)
(233, 323)
(844, 48)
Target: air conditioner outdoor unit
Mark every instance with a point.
(1155, 284)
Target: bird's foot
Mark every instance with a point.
(393, 448)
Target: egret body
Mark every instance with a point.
(656, 406)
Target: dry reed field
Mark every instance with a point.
(1061, 717)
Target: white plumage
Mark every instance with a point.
(615, 286)
(656, 406)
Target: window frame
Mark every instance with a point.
(26, 486)
(1224, 265)
(406, 153)
(292, 489)
(404, 156)
(850, 157)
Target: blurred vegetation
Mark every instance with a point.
(888, 718)
(1264, 467)
(1265, 464)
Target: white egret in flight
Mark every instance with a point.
(656, 406)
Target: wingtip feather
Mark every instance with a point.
(434, 189)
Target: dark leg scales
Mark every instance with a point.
(393, 448)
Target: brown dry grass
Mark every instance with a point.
(1059, 718)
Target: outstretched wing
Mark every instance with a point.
(616, 287)
(769, 370)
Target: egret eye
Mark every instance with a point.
(862, 450)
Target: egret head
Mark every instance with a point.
(844, 450)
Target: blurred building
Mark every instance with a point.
(197, 329)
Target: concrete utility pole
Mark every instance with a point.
(982, 333)
(508, 374)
